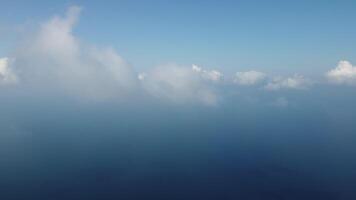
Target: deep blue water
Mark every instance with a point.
(57, 150)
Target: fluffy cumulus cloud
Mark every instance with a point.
(54, 58)
(249, 77)
(297, 82)
(180, 84)
(7, 76)
(344, 73)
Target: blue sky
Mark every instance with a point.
(288, 37)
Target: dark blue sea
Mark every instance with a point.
(55, 149)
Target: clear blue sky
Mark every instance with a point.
(301, 36)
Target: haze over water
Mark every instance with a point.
(81, 120)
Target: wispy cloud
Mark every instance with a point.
(249, 77)
(296, 82)
(212, 75)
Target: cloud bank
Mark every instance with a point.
(54, 59)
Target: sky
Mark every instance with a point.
(177, 100)
(290, 37)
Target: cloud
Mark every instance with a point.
(296, 82)
(252, 77)
(212, 75)
(344, 73)
(54, 58)
(180, 84)
(7, 76)
(249, 77)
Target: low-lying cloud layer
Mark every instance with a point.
(181, 84)
(249, 77)
(253, 78)
(212, 75)
(54, 58)
(297, 82)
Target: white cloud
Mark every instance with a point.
(249, 77)
(295, 82)
(54, 58)
(197, 68)
(179, 84)
(7, 76)
(344, 73)
(212, 75)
